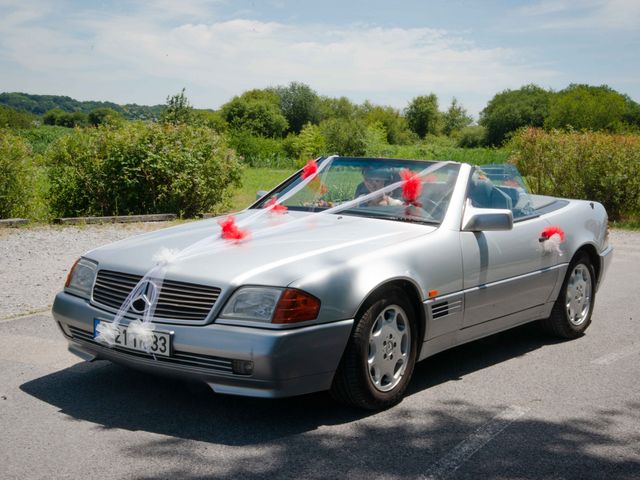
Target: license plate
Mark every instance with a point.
(160, 345)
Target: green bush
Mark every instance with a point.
(344, 137)
(593, 166)
(258, 151)
(41, 137)
(140, 168)
(472, 137)
(17, 177)
(10, 118)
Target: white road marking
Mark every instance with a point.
(448, 464)
(609, 358)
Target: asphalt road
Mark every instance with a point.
(514, 405)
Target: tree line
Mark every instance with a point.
(295, 116)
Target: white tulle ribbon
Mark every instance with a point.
(107, 333)
(142, 332)
(166, 256)
(552, 244)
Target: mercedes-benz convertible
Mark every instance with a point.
(341, 278)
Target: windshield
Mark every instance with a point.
(371, 187)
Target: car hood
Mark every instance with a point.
(278, 251)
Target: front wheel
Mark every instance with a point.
(571, 314)
(380, 355)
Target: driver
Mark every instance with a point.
(375, 179)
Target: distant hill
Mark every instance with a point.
(39, 104)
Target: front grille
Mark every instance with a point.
(192, 360)
(177, 300)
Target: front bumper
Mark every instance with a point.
(605, 262)
(285, 362)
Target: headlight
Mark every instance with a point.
(81, 277)
(271, 305)
(252, 303)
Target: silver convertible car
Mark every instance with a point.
(341, 279)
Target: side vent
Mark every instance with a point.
(442, 309)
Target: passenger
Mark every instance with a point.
(375, 179)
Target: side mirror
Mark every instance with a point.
(486, 219)
(261, 193)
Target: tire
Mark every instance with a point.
(571, 314)
(378, 361)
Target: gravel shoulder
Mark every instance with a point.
(34, 261)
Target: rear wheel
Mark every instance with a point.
(380, 355)
(571, 314)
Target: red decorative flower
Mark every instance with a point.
(230, 230)
(552, 230)
(311, 168)
(274, 206)
(411, 187)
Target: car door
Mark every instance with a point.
(505, 272)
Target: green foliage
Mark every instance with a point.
(178, 110)
(11, 118)
(344, 137)
(210, 119)
(65, 119)
(256, 112)
(299, 105)
(395, 125)
(16, 181)
(590, 165)
(257, 151)
(583, 107)
(423, 116)
(40, 104)
(510, 110)
(330, 107)
(311, 143)
(140, 168)
(103, 116)
(444, 151)
(41, 137)
(472, 136)
(455, 118)
(376, 137)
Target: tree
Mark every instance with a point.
(584, 107)
(330, 107)
(455, 118)
(345, 137)
(299, 105)
(258, 116)
(101, 116)
(178, 110)
(12, 118)
(395, 125)
(422, 115)
(510, 110)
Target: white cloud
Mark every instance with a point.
(586, 14)
(221, 58)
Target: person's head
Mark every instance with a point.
(374, 179)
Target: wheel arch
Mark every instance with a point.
(592, 253)
(409, 288)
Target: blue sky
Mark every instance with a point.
(384, 51)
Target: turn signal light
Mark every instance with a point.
(296, 306)
(68, 281)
